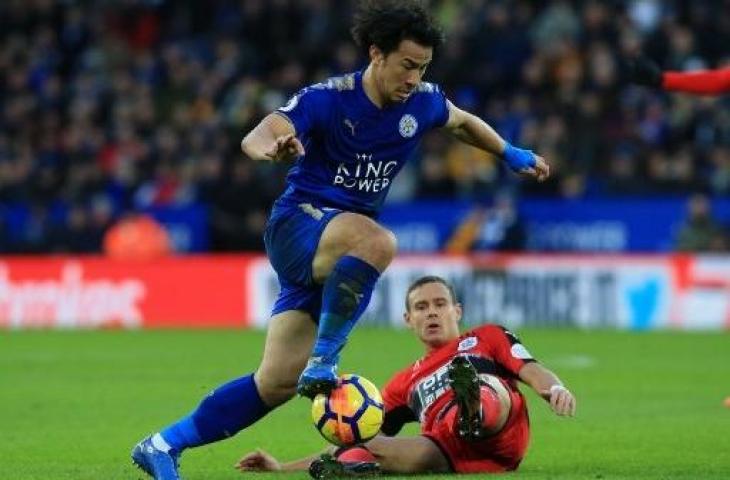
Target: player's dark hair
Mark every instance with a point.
(385, 23)
(429, 279)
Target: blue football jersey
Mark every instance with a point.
(353, 148)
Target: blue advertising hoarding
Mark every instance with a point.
(603, 225)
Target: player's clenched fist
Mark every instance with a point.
(272, 140)
(541, 170)
(287, 147)
(526, 163)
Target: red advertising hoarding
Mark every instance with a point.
(95, 292)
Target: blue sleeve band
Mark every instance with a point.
(518, 158)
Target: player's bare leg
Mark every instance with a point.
(407, 454)
(352, 252)
(289, 341)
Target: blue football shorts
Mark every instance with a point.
(292, 236)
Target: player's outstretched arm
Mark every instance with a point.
(474, 131)
(273, 139)
(411, 454)
(644, 71)
(704, 82)
(549, 387)
(262, 461)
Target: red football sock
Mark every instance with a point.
(356, 454)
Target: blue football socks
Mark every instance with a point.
(346, 294)
(227, 410)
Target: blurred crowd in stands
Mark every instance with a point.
(120, 106)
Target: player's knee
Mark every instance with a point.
(390, 244)
(380, 247)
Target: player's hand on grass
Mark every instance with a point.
(258, 461)
(562, 402)
(287, 147)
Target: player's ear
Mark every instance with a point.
(459, 312)
(407, 319)
(376, 54)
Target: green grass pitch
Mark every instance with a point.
(72, 404)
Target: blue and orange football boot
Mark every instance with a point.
(319, 376)
(157, 460)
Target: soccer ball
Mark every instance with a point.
(352, 413)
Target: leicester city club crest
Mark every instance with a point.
(408, 126)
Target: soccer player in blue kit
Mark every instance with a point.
(348, 137)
